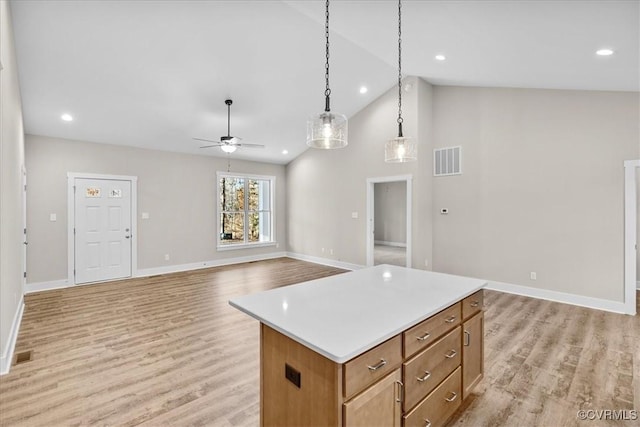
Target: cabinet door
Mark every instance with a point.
(379, 405)
(472, 353)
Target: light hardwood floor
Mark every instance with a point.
(169, 350)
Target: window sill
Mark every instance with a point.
(245, 246)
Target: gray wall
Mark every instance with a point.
(542, 188)
(390, 212)
(177, 190)
(325, 187)
(11, 164)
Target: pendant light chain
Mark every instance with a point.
(327, 90)
(400, 68)
(327, 130)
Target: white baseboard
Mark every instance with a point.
(64, 283)
(207, 264)
(325, 261)
(394, 244)
(46, 286)
(579, 300)
(7, 352)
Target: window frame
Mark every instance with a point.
(246, 212)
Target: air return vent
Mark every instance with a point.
(447, 161)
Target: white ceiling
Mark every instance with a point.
(154, 74)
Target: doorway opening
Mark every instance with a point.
(102, 232)
(389, 201)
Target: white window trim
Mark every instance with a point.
(272, 209)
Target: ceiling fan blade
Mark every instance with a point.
(209, 146)
(251, 145)
(207, 140)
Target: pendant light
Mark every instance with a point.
(401, 148)
(327, 130)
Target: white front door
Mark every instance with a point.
(102, 229)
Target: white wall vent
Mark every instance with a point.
(447, 161)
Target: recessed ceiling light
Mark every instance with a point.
(285, 151)
(363, 89)
(441, 57)
(604, 52)
(66, 117)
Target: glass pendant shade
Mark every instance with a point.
(400, 149)
(327, 130)
(228, 148)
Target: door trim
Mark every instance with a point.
(371, 209)
(25, 241)
(71, 219)
(631, 167)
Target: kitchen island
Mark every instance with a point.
(384, 345)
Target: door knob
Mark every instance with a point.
(126, 237)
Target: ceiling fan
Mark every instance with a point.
(228, 143)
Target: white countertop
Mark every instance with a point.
(345, 315)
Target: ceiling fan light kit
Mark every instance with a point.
(228, 143)
(327, 130)
(228, 148)
(401, 148)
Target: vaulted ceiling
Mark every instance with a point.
(155, 74)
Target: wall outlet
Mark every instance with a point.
(322, 250)
(354, 215)
(166, 257)
(145, 215)
(534, 276)
(53, 217)
(331, 251)
(426, 262)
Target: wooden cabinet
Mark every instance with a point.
(427, 331)
(438, 406)
(371, 366)
(472, 353)
(427, 369)
(472, 304)
(379, 405)
(421, 375)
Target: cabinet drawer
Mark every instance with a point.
(372, 365)
(427, 369)
(438, 407)
(426, 332)
(472, 304)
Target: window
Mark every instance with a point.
(245, 210)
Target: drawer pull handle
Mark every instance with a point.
(453, 397)
(424, 337)
(378, 366)
(452, 353)
(475, 304)
(467, 338)
(451, 319)
(425, 377)
(428, 423)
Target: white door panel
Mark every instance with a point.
(102, 229)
